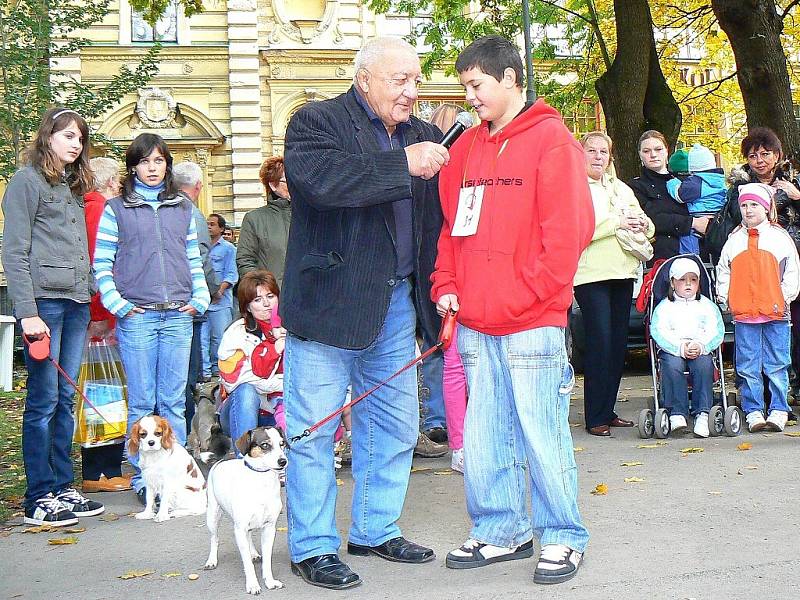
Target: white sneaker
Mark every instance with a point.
(776, 420)
(477, 554)
(677, 423)
(755, 421)
(557, 563)
(701, 425)
(457, 461)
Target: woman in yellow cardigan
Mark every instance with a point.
(604, 284)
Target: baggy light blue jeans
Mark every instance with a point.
(763, 348)
(385, 430)
(155, 347)
(516, 427)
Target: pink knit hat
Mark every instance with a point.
(756, 192)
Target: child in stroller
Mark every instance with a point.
(687, 327)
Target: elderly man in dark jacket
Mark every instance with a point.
(362, 245)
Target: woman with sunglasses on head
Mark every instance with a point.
(150, 274)
(46, 262)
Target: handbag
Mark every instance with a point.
(636, 244)
(101, 418)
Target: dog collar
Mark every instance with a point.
(252, 468)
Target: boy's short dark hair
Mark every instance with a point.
(492, 54)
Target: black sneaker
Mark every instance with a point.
(49, 510)
(437, 434)
(80, 505)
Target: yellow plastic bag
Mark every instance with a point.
(103, 415)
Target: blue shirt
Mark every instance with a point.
(223, 261)
(403, 233)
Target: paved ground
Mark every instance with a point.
(718, 524)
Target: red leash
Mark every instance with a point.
(445, 337)
(39, 350)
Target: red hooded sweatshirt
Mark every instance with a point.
(515, 273)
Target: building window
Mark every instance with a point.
(166, 29)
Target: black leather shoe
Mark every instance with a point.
(396, 549)
(326, 571)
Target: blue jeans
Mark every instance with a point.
(215, 325)
(763, 348)
(385, 431)
(239, 413)
(516, 427)
(155, 347)
(47, 421)
(675, 391)
(433, 399)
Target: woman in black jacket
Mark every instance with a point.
(671, 218)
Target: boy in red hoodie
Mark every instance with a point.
(517, 215)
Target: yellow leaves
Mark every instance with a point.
(653, 445)
(40, 529)
(108, 517)
(65, 541)
(792, 433)
(633, 463)
(601, 489)
(420, 469)
(168, 575)
(135, 574)
(634, 480)
(744, 446)
(281, 529)
(578, 449)
(339, 482)
(692, 450)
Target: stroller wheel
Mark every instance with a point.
(661, 423)
(646, 423)
(716, 421)
(733, 421)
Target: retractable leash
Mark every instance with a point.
(445, 338)
(39, 349)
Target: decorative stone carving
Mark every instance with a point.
(303, 20)
(187, 68)
(157, 109)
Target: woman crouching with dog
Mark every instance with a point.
(250, 352)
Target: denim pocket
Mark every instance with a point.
(467, 342)
(567, 380)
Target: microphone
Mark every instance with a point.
(463, 122)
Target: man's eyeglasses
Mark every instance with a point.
(763, 155)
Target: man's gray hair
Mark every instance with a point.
(104, 170)
(186, 174)
(373, 51)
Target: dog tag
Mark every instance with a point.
(470, 200)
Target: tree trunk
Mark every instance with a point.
(634, 94)
(754, 28)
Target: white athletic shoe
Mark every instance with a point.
(755, 421)
(701, 425)
(457, 461)
(557, 563)
(776, 420)
(677, 423)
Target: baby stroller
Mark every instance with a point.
(722, 418)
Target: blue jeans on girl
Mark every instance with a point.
(155, 346)
(47, 422)
(763, 348)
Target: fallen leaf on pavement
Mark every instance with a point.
(420, 469)
(601, 489)
(193, 577)
(448, 472)
(172, 574)
(575, 425)
(339, 482)
(578, 449)
(692, 450)
(281, 529)
(715, 493)
(633, 463)
(751, 467)
(109, 517)
(135, 574)
(653, 445)
(792, 433)
(75, 530)
(634, 480)
(62, 541)
(39, 529)
(744, 446)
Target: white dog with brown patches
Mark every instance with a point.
(249, 491)
(168, 471)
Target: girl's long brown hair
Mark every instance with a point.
(39, 154)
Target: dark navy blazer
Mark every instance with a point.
(340, 258)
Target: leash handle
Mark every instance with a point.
(448, 329)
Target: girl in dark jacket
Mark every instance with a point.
(671, 218)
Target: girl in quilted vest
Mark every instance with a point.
(758, 275)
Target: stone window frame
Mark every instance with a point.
(126, 33)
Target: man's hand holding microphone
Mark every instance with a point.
(425, 159)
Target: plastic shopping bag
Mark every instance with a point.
(103, 415)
